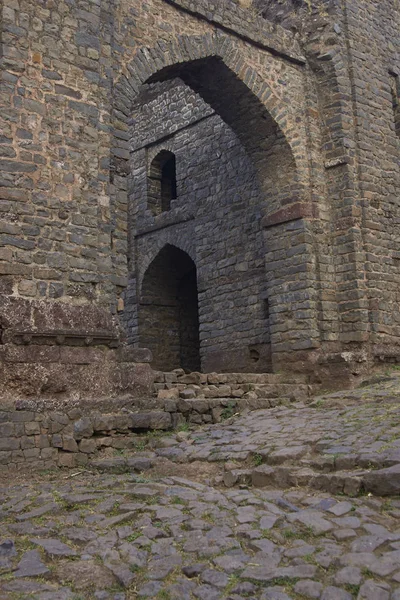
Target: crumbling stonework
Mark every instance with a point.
(279, 241)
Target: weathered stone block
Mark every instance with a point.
(69, 444)
(66, 459)
(6, 429)
(56, 441)
(170, 406)
(184, 406)
(187, 394)
(104, 442)
(170, 394)
(22, 416)
(134, 355)
(81, 458)
(31, 453)
(263, 476)
(150, 420)
(32, 428)
(83, 428)
(217, 414)
(42, 441)
(384, 482)
(122, 423)
(87, 446)
(5, 458)
(237, 476)
(195, 418)
(27, 442)
(122, 442)
(8, 443)
(103, 422)
(49, 454)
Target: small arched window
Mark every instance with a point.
(162, 182)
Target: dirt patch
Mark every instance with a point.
(199, 471)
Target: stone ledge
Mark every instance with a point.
(66, 354)
(64, 338)
(91, 375)
(337, 162)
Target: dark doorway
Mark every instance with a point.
(162, 182)
(168, 311)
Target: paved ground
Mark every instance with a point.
(177, 532)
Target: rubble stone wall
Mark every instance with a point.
(43, 440)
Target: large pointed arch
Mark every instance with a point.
(185, 58)
(274, 136)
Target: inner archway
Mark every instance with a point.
(168, 311)
(250, 247)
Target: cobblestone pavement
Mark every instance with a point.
(108, 536)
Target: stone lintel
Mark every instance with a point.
(337, 162)
(293, 212)
(162, 222)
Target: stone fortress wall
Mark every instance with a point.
(287, 210)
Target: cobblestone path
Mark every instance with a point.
(177, 532)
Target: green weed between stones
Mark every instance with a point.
(268, 534)
(234, 580)
(163, 595)
(367, 572)
(134, 536)
(352, 588)
(229, 411)
(177, 500)
(257, 460)
(141, 445)
(303, 533)
(182, 427)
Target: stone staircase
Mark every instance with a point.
(298, 466)
(210, 397)
(293, 467)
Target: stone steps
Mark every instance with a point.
(308, 456)
(178, 376)
(380, 482)
(297, 466)
(248, 390)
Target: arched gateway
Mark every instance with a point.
(234, 170)
(168, 311)
(198, 125)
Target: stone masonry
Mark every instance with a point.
(193, 178)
